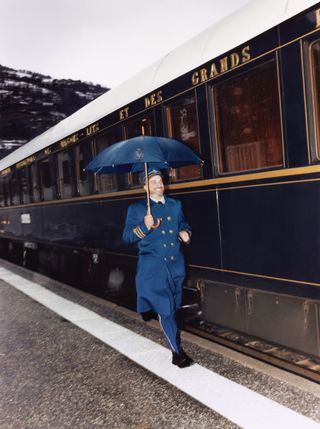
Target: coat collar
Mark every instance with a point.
(153, 203)
(163, 200)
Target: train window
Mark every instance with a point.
(14, 185)
(46, 179)
(34, 182)
(137, 127)
(64, 174)
(2, 192)
(248, 122)
(182, 124)
(24, 185)
(315, 61)
(106, 182)
(83, 156)
(7, 190)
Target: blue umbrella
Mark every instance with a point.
(133, 155)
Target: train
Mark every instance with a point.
(244, 94)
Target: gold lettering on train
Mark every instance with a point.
(246, 54)
(195, 78)
(26, 162)
(153, 99)
(222, 66)
(213, 71)
(203, 75)
(235, 60)
(124, 113)
(69, 140)
(6, 171)
(317, 18)
(92, 129)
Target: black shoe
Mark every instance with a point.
(182, 360)
(148, 315)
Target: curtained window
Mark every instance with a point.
(315, 61)
(182, 125)
(46, 179)
(83, 156)
(14, 185)
(64, 160)
(24, 184)
(106, 182)
(34, 182)
(7, 190)
(248, 121)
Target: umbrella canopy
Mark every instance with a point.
(132, 154)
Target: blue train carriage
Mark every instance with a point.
(245, 95)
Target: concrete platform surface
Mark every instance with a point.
(78, 361)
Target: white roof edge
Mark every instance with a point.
(196, 51)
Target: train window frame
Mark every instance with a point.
(312, 108)
(174, 172)
(24, 192)
(2, 192)
(34, 181)
(88, 145)
(53, 193)
(59, 179)
(15, 197)
(132, 179)
(7, 190)
(97, 178)
(212, 117)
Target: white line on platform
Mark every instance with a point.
(239, 404)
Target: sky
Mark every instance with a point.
(100, 41)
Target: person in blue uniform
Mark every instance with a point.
(161, 269)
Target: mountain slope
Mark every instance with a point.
(30, 103)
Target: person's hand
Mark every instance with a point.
(185, 237)
(148, 220)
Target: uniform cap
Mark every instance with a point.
(151, 173)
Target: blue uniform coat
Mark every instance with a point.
(161, 270)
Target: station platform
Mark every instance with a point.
(70, 359)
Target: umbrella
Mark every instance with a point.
(133, 155)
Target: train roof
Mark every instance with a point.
(253, 19)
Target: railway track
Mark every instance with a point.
(296, 362)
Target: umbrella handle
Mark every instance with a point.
(147, 185)
(157, 224)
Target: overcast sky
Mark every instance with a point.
(100, 41)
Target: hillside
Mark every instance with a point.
(30, 103)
